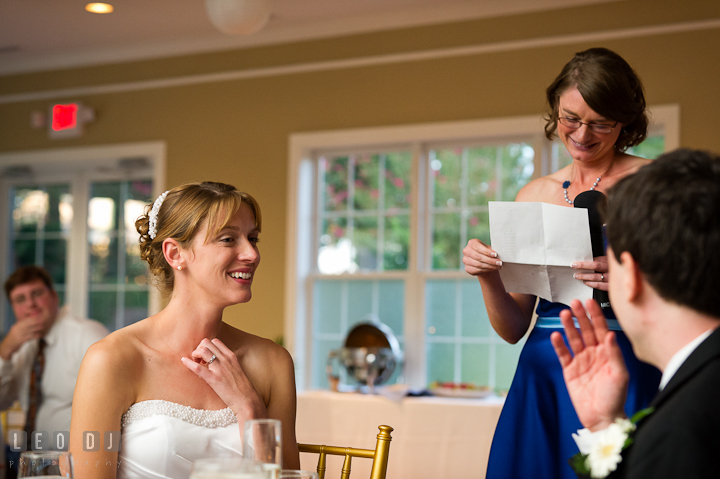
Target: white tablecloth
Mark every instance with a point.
(434, 438)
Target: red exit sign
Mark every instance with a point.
(67, 120)
(65, 117)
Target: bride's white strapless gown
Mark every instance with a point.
(162, 439)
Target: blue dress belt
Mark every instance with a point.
(554, 323)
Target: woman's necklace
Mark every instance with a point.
(566, 183)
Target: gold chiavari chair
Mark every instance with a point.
(379, 455)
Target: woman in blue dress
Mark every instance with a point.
(597, 109)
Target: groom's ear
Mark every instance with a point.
(632, 277)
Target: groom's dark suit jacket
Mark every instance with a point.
(681, 439)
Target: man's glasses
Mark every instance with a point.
(596, 127)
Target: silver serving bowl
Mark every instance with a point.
(370, 356)
(370, 366)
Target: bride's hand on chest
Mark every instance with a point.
(220, 368)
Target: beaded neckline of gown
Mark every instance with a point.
(199, 417)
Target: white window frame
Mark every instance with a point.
(302, 180)
(62, 165)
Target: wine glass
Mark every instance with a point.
(57, 464)
(296, 474)
(262, 442)
(228, 468)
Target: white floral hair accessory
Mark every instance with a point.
(152, 228)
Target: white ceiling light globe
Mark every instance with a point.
(238, 17)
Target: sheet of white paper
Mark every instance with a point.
(537, 242)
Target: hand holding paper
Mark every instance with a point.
(537, 243)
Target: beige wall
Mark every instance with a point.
(237, 131)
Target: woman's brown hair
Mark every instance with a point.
(609, 86)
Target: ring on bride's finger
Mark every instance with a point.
(602, 277)
(213, 358)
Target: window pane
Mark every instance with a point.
(506, 359)
(398, 168)
(136, 306)
(478, 226)
(140, 190)
(135, 268)
(59, 214)
(102, 307)
(117, 276)
(517, 168)
(367, 191)
(333, 230)
(468, 331)
(440, 300)
(446, 170)
(360, 302)
(440, 362)
(397, 243)
(102, 213)
(651, 148)
(54, 259)
(327, 306)
(446, 251)
(560, 155)
(30, 208)
(391, 305)
(365, 199)
(320, 351)
(474, 361)
(103, 258)
(482, 186)
(463, 180)
(338, 305)
(335, 253)
(41, 219)
(24, 253)
(335, 176)
(365, 236)
(475, 321)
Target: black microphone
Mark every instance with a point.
(594, 201)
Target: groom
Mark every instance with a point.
(663, 228)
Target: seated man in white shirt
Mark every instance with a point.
(64, 339)
(663, 229)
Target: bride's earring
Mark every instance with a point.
(179, 268)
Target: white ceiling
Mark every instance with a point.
(48, 34)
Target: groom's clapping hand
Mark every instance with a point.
(595, 372)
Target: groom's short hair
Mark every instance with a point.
(667, 216)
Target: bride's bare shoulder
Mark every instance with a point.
(268, 365)
(118, 351)
(254, 350)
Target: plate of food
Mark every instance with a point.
(460, 390)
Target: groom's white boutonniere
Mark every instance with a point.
(600, 451)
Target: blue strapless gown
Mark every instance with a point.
(533, 438)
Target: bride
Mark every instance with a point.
(179, 385)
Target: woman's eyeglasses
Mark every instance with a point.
(596, 127)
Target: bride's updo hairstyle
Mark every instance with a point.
(180, 215)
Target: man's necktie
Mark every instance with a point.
(35, 396)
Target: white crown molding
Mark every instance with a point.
(527, 44)
(279, 31)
